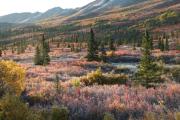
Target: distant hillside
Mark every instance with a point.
(35, 17)
(94, 8)
(157, 15)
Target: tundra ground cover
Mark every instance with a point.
(91, 102)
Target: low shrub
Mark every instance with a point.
(12, 108)
(177, 116)
(108, 116)
(150, 116)
(76, 83)
(110, 53)
(97, 77)
(60, 113)
(176, 74)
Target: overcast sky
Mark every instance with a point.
(17, 6)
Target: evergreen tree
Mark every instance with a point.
(44, 51)
(42, 56)
(162, 45)
(58, 45)
(18, 49)
(151, 43)
(37, 58)
(134, 45)
(0, 53)
(111, 44)
(148, 72)
(57, 84)
(103, 52)
(12, 50)
(159, 43)
(167, 44)
(92, 48)
(46, 58)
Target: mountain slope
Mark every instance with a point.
(92, 8)
(116, 10)
(35, 17)
(100, 6)
(97, 9)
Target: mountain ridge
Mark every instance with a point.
(27, 17)
(95, 7)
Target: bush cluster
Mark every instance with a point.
(176, 74)
(13, 108)
(11, 78)
(97, 77)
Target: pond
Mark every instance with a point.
(130, 66)
(133, 66)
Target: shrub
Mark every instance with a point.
(110, 53)
(12, 108)
(97, 77)
(169, 17)
(76, 83)
(176, 74)
(108, 116)
(11, 77)
(150, 116)
(60, 113)
(178, 47)
(177, 116)
(45, 114)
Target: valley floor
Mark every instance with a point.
(91, 102)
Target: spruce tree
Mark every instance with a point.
(37, 58)
(167, 44)
(111, 44)
(46, 58)
(103, 52)
(42, 57)
(151, 43)
(148, 73)
(134, 44)
(159, 43)
(44, 51)
(92, 47)
(162, 45)
(0, 53)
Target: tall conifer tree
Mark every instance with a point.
(92, 47)
(148, 72)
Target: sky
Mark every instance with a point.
(18, 6)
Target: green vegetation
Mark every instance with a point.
(178, 47)
(176, 74)
(41, 55)
(169, 17)
(163, 43)
(102, 52)
(92, 48)
(59, 113)
(149, 73)
(12, 78)
(108, 116)
(97, 77)
(166, 18)
(12, 108)
(111, 44)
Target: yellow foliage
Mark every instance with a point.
(177, 116)
(12, 108)
(150, 116)
(110, 53)
(12, 75)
